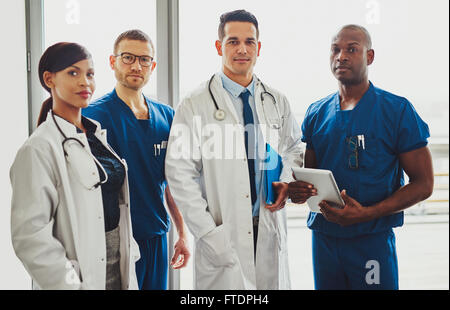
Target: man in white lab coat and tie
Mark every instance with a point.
(220, 174)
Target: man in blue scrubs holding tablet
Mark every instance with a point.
(138, 129)
(367, 137)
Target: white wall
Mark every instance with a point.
(13, 130)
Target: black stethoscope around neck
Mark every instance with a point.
(220, 114)
(67, 139)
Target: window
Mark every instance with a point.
(410, 39)
(14, 131)
(96, 25)
(296, 38)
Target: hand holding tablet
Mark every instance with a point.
(325, 185)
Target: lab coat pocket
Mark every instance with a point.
(73, 274)
(216, 248)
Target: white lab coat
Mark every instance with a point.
(213, 193)
(57, 224)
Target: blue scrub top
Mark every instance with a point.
(390, 125)
(134, 140)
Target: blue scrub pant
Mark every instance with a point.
(153, 266)
(367, 262)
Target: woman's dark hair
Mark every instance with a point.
(56, 58)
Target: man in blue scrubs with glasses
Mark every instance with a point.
(367, 137)
(138, 129)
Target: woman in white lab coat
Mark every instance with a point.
(212, 189)
(70, 218)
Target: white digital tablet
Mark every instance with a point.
(323, 181)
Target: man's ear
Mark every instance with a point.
(48, 79)
(219, 48)
(259, 47)
(112, 61)
(370, 56)
(153, 66)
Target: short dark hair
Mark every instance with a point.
(133, 34)
(362, 30)
(237, 16)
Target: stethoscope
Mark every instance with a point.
(67, 139)
(220, 114)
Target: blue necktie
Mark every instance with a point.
(250, 142)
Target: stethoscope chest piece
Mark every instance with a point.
(219, 115)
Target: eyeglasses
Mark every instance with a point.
(129, 59)
(352, 143)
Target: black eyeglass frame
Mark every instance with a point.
(134, 59)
